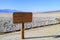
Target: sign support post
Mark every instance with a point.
(22, 31)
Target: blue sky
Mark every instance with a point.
(30, 5)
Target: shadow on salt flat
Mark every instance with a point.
(54, 36)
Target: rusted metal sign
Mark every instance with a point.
(19, 17)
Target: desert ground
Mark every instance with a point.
(38, 19)
(51, 32)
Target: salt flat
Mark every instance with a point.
(35, 14)
(41, 33)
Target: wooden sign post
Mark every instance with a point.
(22, 17)
(22, 31)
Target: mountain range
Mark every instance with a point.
(9, 10)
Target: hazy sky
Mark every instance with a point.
(30, 5)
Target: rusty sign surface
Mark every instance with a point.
(19, 17)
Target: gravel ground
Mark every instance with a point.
(41, 33)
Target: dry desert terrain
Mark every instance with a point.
(41, 33)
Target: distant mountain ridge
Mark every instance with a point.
(9, 10)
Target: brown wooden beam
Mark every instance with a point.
(22, 31)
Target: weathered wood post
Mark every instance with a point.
(22, 31)
(22, 17)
